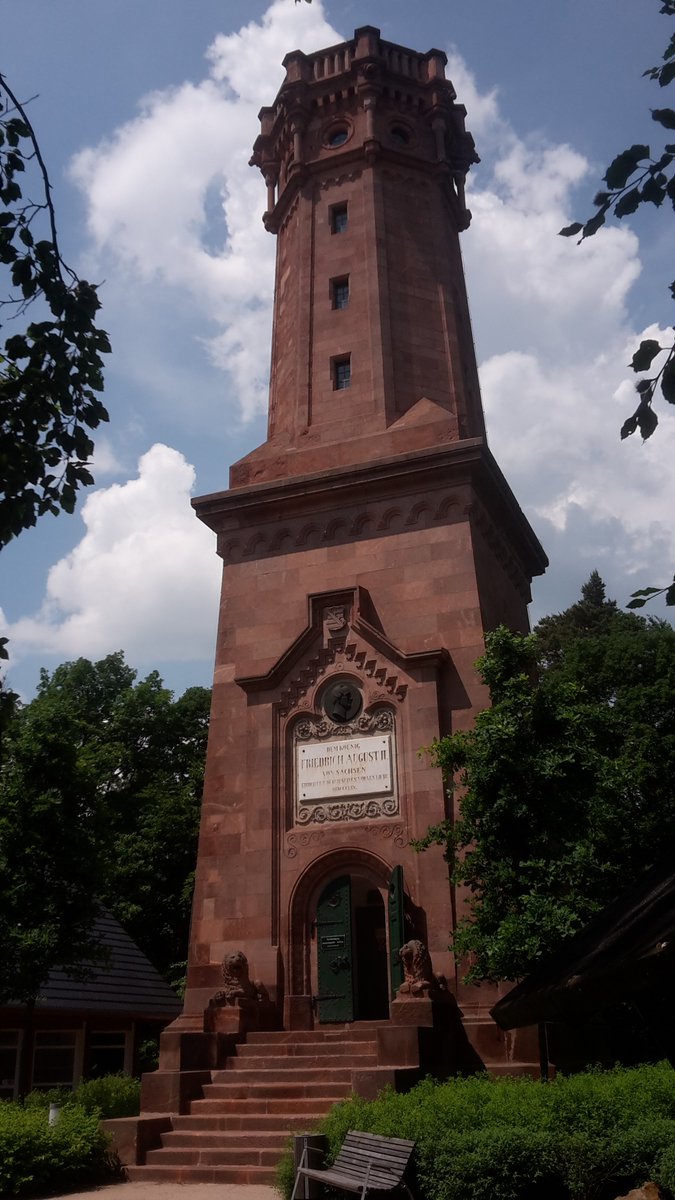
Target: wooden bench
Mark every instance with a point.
(367, 1162)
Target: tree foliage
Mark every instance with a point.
(643, 174)
(130, 786)
(51, 854)
(51, 372)
(565, 785)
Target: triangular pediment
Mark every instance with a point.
(344, 627)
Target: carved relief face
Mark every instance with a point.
(342, 701)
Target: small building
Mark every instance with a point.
(82, 1029)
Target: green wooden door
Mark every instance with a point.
(396, 929)
(335, 1001)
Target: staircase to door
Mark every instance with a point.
(276, 1084)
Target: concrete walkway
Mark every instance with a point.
(176, 1191)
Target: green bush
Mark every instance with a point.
(585, 1137)
(109, 1096)
(36, 1157)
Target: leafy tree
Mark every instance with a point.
(564, 786)
(51, 843)
(100, 796)
(141, 755)
(51, 840)
(50, 374)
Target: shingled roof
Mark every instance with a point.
(128, 985)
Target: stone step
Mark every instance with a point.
(236, 1121)
(208, 1156)
(222, 1138)
(192, 1174)
(291, 1065)
(513, 1068)
(322, 1050)
(317, 1105)
(362, 1030)
(230, 1090)
(265, 1074)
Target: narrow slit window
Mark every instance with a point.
(339, 218)
(342, 373)
(340, 290)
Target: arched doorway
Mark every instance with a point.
(351, 951)
(371, 921)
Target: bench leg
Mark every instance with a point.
(298, 1173)
(364, 1189)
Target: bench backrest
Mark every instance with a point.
(388, 1157)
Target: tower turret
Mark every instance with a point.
(365, 153)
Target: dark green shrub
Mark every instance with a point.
(36, 1157)
(42, 1099)
(665, 1168)
(587, 1137)
(110, 1096)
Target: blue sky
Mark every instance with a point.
(146, 111)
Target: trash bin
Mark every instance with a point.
(316, 1145)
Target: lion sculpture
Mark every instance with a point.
(419, 978)
(238, 986)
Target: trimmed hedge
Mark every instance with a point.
(591, 1136)
(37, 1158)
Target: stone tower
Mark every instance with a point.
(367, 545)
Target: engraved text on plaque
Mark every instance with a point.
(357, 767)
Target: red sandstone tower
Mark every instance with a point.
(368, 545)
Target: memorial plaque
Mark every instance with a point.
(357, 767)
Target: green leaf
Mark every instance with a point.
(645, 354)
(666, 74)
(650, 591)
(622, 167)
(594, 224)
(570, 230)
(654, 191)
(636, 604)
(629, 426)
(627, 203)
(647, 420)
(670, 595)
(664, 116)
(668, 380)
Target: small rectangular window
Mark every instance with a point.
(9, 1053)
(342, 373)
(339, 219)
(54, 1059)
(340, 290)
(106, 1053)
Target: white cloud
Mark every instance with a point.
(148, 190)
(144, 577)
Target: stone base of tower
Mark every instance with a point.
(221, 1107)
